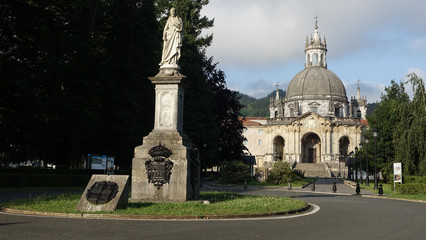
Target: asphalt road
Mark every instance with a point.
(339, 217)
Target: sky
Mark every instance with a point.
(259, 44)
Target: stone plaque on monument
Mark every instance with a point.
(105, 193)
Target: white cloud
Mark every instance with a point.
(255, 88)
(261, 33)
(255, 42)
(418, 46)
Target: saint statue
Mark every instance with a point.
(172, 37)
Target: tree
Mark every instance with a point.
(410, 132)
(76, 78)
(281, 173)
(228, 112)
(400, 124)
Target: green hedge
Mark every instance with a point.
(411, 188)
(414, 179)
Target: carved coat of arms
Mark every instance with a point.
(159, 168)
(102, 192)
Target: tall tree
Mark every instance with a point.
(410, 133)
(401, 127)
(385, 118)
(228, 112)
(76, 78)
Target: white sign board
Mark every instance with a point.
(397, 172)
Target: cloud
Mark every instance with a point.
(256, 88)
(261, 43)
(260, 33)
(418, 46)
(371, 90)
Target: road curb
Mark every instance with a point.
(150, 217)
(400, 199)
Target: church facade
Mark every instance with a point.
(314, 127)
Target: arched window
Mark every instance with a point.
(337, 112)
(315, 59)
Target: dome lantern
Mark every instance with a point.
(316, 50)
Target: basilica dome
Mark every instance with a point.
(316, 82)
(315, 89)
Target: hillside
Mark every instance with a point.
(257, 107)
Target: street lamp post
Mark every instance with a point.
(367, 180)
(340, 159)
(360, 162)
(356, 169)
(350, 172)
(375, 159)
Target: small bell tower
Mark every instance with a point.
(276, 106)
(316, 49)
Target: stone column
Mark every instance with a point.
(325, 142)
(166, 166)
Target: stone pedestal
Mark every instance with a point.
(166, 166)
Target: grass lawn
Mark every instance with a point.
(222, 203)
(388, 190)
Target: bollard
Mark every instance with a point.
(313, 186)
(245, 184)
(289, 185)
(334, 187)
(358, 189)
(380, 189)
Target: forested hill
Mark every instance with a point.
(257, 107)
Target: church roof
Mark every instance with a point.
(247, 122)
(316, 83)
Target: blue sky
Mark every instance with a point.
(259, 44)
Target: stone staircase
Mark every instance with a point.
(313, 169)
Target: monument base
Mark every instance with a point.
(174, 178)
(169, 70)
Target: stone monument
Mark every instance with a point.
(166, 166)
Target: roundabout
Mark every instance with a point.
(340, 216)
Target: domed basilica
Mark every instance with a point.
(314, 127)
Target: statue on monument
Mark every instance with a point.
(172, 37)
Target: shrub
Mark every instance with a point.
(281, 173)
(411, 188)
(235, 172)
(414, 179)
